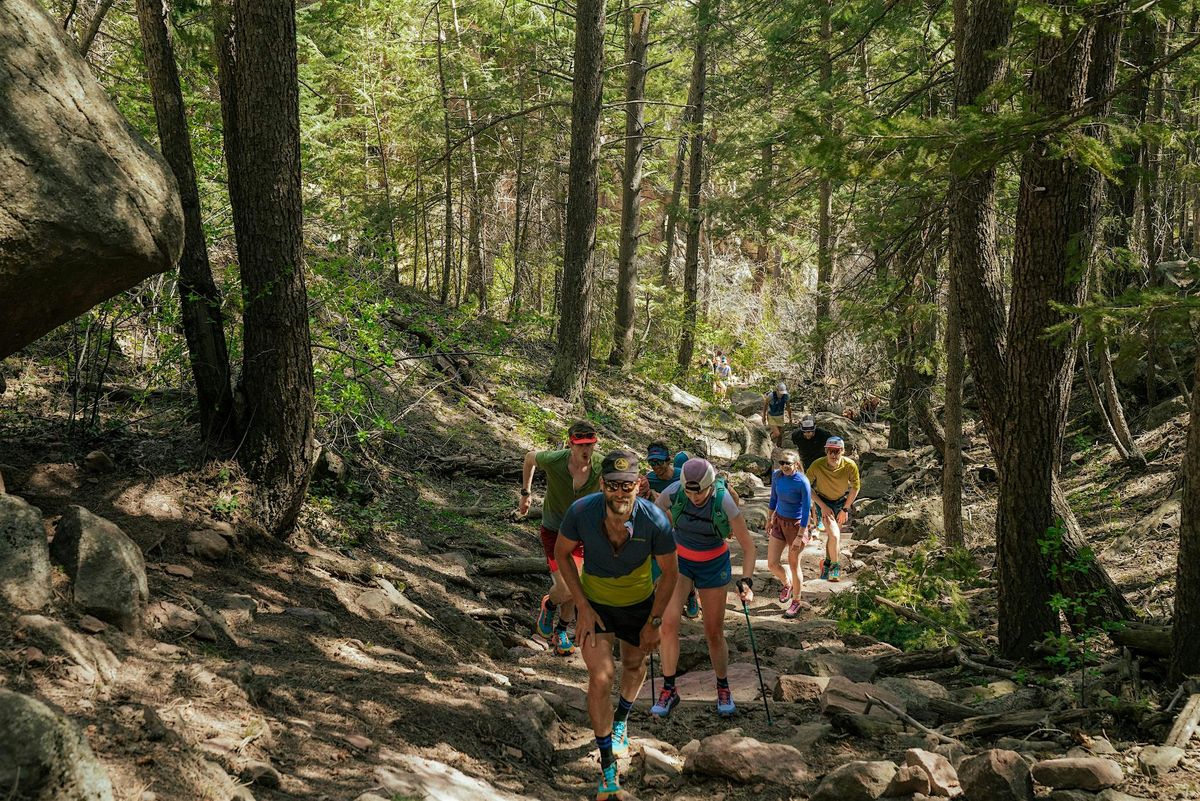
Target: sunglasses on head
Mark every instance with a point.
(657, 462)
(620, 486)
(693, 486)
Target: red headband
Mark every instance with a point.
(583, 439)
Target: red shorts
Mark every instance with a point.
(789, 530)
(548, 539)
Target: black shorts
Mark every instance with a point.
(834, 506)
(625, 622)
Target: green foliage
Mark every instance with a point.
(930, 581)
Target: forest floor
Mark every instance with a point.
(293, 674)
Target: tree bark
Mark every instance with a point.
(825, 244)
(1116, 410)
(705, 16)
(93, 28)
(478, 274)
(199, 297)
(447, 185)
(631, 186)
(264, 180)
(579, 240)
(952, 466)
(1185, 658)
(671, 221)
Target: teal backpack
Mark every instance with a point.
(720, 520)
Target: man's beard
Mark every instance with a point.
(618, 504)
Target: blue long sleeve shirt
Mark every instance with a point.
(791, 496)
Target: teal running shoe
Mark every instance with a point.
(545, 621)
(691, 610)
(562, 643)
(620, 737)
(610, 785)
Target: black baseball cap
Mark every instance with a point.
(620, 466)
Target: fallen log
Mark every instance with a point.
(476, 467)
(1016, 722)
(949, 711)
(909, 719)
(522, 566)
(896, 664)
(1143, 638)
(1185, 724)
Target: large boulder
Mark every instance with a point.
(859, 440)
(45, 757)
(729, 755)
(908, 527)
(746, 402)
(856, 781)
(1079, 773)
(24, 556)
(996, 775)
(87, 207)
(411, 776)
(106, 567)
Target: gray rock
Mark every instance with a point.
(908, 527)
(876, 484)
(180, 622)
(729, 755)
(685, 399)
(856, 781)
(46, 757)
(908, 780)
(261, 773)
(106, 568)
(374, 604)
(78, 223)
(99, 462)
(1029, 746)
(996, 775)
(917, 694)
(1167, 410)
(1072, 795)
(792, 689)
(1158, 760)
(207, 544)
(757, 465)
(844, 696)
(24, 555)
(807, 735)
(1117, 795)
(867, 727)
(410, 776)
(534, 727)
(852, 667)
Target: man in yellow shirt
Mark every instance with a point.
(835, 485)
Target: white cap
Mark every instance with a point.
(781, 387)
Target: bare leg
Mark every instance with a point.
(833, 539)
(774, 551)
(714, 628)
(669, 646)
(794, 551)
(597, 655)
(633, 672)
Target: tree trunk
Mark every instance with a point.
(952, 471)
(1116, 409)
(447, 185)
(631, 186)
(478, 277)
(824, 327)
(671, 221)
(1185, 659)
(1098, 400)
(579, 240)
(898, 403)
(264, 179)
(705, 16)
(199, 297)
(767, 180)
(93, 28)
(521, 209)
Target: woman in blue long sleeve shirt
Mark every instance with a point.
(787, 523)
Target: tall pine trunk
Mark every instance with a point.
(825, 245)
(447, 184)
(263, 158)
(1185, 656)
(579, 235)
(199, 297)
(705, 15)
(671, 220)
(631, 186)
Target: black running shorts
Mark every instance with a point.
(626, 622)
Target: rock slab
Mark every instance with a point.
(45, 757)
(107, 570)
(87, 207)
(729, 755)
(943, 779)
(856, 781)
(24, 556)
(996, 775)
(1078, 773)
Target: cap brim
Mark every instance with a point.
(586, 439)
(622, 475)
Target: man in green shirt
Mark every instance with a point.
(835, 484)
(571, 473)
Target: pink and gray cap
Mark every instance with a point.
(698, 474)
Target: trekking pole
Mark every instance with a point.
(762, 687)
(653, 695)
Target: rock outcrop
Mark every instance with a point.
(24, 556)
(45, 757)
(106, 568)
(87, 207)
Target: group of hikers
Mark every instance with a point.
(631, 553)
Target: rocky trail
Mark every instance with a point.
(197, 667)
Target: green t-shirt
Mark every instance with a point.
(560, 490)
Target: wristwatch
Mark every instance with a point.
(524, 492)
(656, 621)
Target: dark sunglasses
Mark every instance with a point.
(787, 464)
(620, 486)
(657, 462)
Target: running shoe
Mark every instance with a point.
(725, 705)
(610, 784)
(835, 571)
(825, 570)
(691, 609)
(620, 737)
(820, 525)
(785, 594)
(794, 609)
(545, 621)
(562, 643)
(667, 699)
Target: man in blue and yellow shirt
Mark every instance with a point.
(616, 596)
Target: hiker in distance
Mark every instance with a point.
(570, 474)
(616, 597)
(703, 514)
(787, 527)
(775, 405)
(663, 472)
(835, 484)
